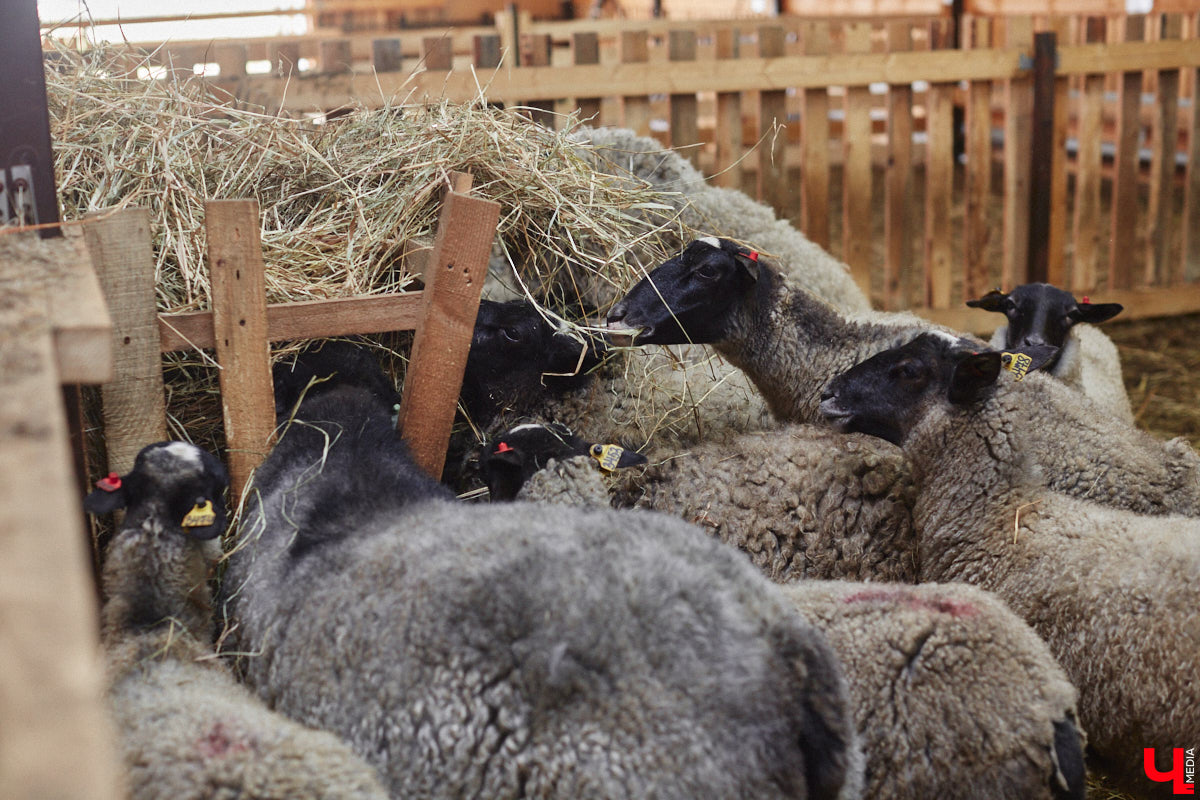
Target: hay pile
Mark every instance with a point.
(341, 202)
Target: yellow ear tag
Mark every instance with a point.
(200, 516)
(1016, 363)
(609, 455)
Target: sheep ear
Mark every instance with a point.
(973, 374)
(1095, 313)
(995, 300)
(110, 494)
(748, 261)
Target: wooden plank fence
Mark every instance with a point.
(903, 146)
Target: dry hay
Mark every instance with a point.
(1160, 362)
(343, 202)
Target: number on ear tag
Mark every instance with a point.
(1016, 363)
(200, 516)
(609, 456)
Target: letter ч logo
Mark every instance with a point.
(1182, 780)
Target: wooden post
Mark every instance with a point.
(56, 740)
(231, 60)
(333, 56)
(1121, 268)
(585, 48)
(1041, 156)
(856, 168)
(438, 53)
(535, 52)
(814, 142)
(239, 307)
(1056, 260)
(387, 55)
(285, 59)
(1018, 121)
(486, 51)
(773, 185)
(728, 169)
(1191, 190)
(134, 405)
(454, 281)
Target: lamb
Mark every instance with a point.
(1039, 313)
(546, 651)
(1113, 593)
(188, 730)
(791, 344)
(800, 502)
(998, 722)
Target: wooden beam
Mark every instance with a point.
(79, 320)
(134, 404)
(57, 739)
(466, 228)
(1041, 157)
(240, 324)
(313, 319)
(1128, 56)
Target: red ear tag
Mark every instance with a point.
(502, 448)
(109, 483)
(753, 255)
(1086, 301)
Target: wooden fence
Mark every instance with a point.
(936, 162)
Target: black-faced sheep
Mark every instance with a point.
(1041, 314)
(534, 651)
(1113, 593)
(791, 344)
(188, 730)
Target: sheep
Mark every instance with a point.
(522, 367)
(953, 695)
(1113, 593)
(791, 344)
(800, 502)
(545, 651)
(1039, 313)
(187, 729)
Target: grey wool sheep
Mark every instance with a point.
(1038, 313)
(800, 502)
(539, 652)
(791, 344)
(954, 696)
(188, 730)
(1113, 593)
(722, 211)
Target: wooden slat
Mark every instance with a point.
(466, 229)
(1018, 121)
(773, 184)
(635, 51)
(629, 79)
(314, 319)
(231, 60)
(134, 405)
(897, 219)
(1056, 265)
(79, 320)
(437, 54)
(1088, 164)
(387, 55)
(1191, 190)
(1160, 216)
(1127, 56)
(285, 60)
(333, 56)
(585, 47)
(486, 51)
(814, 138)
(240, 323)
(857, 215)
(977, 229)
(1122, 263)
(685, 134)
(535, 53)
(939, 194)
(728, 135)
(56, 740)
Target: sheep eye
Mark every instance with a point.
(907, 370)
(707, 271)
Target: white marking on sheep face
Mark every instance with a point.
(711, 241)
(188, 453)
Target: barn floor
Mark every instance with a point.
(1161, 363)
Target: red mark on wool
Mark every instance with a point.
(219, 741)
(908, 599)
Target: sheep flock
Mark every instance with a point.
(714, 529)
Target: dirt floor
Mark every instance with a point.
(1161, 363)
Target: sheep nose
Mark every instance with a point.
(617, 313)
